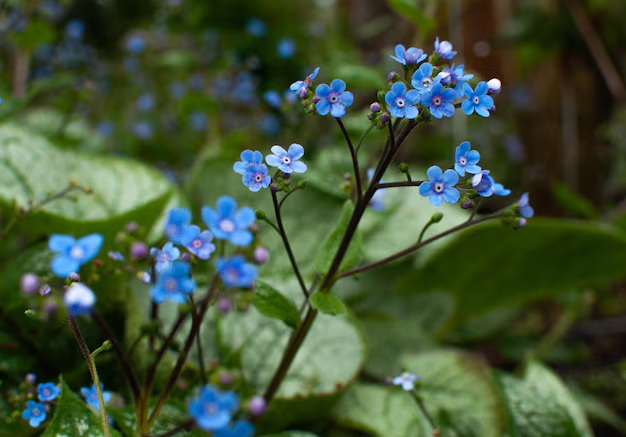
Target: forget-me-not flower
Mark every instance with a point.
(440, 186)
(248, 157)
(482, 183)
(228, 223)
(287, 161)
(286, 48)
(47, 391)
(167, 254)
(236, 272)
(256, 27)
(199, 242)
(35, 413)
(333, 98)
(443, 49)
(422, 79)
(79, 299)
(466, 159)
(91, 395)
(272, 98)
(498, 189)
(73, 253)
(135, 44)
(240, 428)
(178, 220)
(477, 99)
(412, 56)
(439, 101)
(256, 177)
(402, 102)
(524, 208)
(173, 284)
(213, 410)
(300, 85)
(406, 381)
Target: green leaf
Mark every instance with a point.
(539, 404)
(271, 303)
(383, 411)
(32, 168)
(360, 76)
(572, 202)
(73, 418)
(413, 10)
(328, 249)
(459, 392)
(491, 266)
(326, 303)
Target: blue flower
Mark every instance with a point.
(444, 49)
(454, 76)
(498, 189)
(477, 100)
(406, 381)
(257, 177)
(173, 284)
(48, 391)
(248, 158)
(333, 99)
(299, 85)
(466, 159)
(422, 79)
(272, 98)
(91, 395)
(286, 48)
(226, 223)
(145, 102)
(213, 410)
(135, 44)
(105, 128)
(524, 209)
(270, 125)
(35, 413)
(287, 161)
(178, 221)
(256, 27)
(79, 299)
(439, 101)
(73, 253)
(402, 103)
(198, 121)
(440, 186)
(166, 255)
(376, 202)
(178, 90)
(75, 30)
(241, 428)
(142, 130)
(412, 56)
(482, 183)
(199, 243)
(236, 272)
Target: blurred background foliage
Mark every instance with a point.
(150, 102)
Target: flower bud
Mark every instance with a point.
(73, 277)
(521, 222)
(302, 93)
(467, 204)
(375, 107)
(31, 378)
(392, 76)
(132, 227)
(257, 405)
(287, 182)
(385, 117)
(260, 215)
(225, 378)
(261, 255)
(494, 86)
(45, 290)
(31, 314)
(138, 250)
(316, 99)
(224, 305)
(185, 256)
(274, 188)
(29, 283)
(403, 167)
(302, 184)
(436, 218)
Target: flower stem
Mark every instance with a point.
(94, 373)
(420, 403)
(355, 160)
(399, 184)
(194, 313)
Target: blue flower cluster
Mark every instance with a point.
(213, 411)
(36, 412)
(255, 174)
(91, 395)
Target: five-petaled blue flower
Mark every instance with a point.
(254, 173)
(333, 98)
(91, 395)
(422, 79)
(35, 413)
(226, 223)
(287, 161)
(236, 272)
(79, 299)
(73, 253)
(439, 101)
(248, 158)
(240, 428)
(482, 183)
(440, 186)
(300, 86)
(412, 56)
(524, 208)
(477, 100)
(402, 102)
(167, 254)
(177, 224)
(212, 410)
(199, 243)
(443, 49)
(406, 381)
(466, 159)
(48, 391)
(173, 284)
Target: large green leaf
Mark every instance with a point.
(490, 266)
(271, 303)
(31, 168)
(383, 411)
(329, 247)
(459, 392)
(539, 404)
(73, 418)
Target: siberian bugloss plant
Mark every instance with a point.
(216, 260)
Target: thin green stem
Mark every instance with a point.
(476, 208)
(280, 204)
(355, 160)
(363, 136)
(420, 404)
(269, 222)
(399, 184)
(94, 373)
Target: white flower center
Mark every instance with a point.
(171, 285)
(164, 257)
(36, 412)
(426, 82)
(227, 225)
(437, 101)
(77, 252)
(400, 101)
(211, 409)
(439, 187)
(476, 100)
(286, 160)
(334, 98)
(258, 177)
(463, 161)
(197, 243)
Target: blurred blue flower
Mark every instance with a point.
(524, 208)
(477, 100)
(35, 413)
(91, 395)
(333, 99)
(199, 243)
(198, 121)
(142, 130)
(73, 253)
(498, 189)
(466, 159)
(406, 381)
(272, 98)
(135, 44)
(75, 29)
(286, 48)
(166, 255)
(444, 49)
(145, 102)
(79, 299)
(244, 89)
(47, 391)
(422, 79)
(178, 90)
(439, 101)
(177, 224)
(412, 56)
(236, 272)
(256, 27)
(402, 102)
(299, 85)
(228, 223)
(212, 410)
(440, 186)
(105, 128)
(240, 428)
(196, 81)
(173, 284)
(287, 161)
